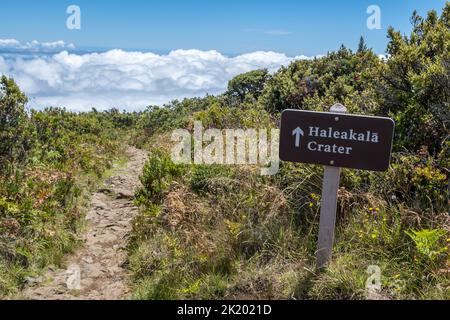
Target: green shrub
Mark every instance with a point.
(428, 243)
(250, 84)
(210, 178)
(15, 134)
(418, 180)
(158, 173)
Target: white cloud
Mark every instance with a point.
(34, 46)
(129, 80)
(9, 43)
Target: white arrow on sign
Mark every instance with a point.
(298, 132)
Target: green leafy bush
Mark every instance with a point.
(340, 76)
(15, 135)
(428, 244)
(247, 85)
(209, 179)
(158, 173)
(415, 83)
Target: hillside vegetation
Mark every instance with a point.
(226, 231)
(215, 231)
(50, 161)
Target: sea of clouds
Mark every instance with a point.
(54, 74)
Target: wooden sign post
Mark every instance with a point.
(335, 140)
(330, 189)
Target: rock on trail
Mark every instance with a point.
(95, 271)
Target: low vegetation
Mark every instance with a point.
(214, 231)
(50, 160)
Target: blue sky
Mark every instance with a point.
(231, 26)
(135, 53)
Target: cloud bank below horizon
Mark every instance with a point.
(123, 79)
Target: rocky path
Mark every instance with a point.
(96, 270)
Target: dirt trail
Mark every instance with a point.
(99, 262)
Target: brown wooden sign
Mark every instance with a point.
(337, 140)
